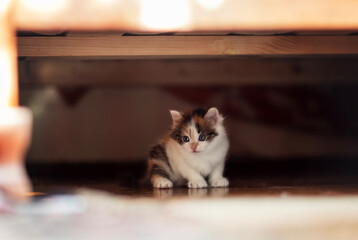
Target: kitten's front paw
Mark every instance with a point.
(197, 184)
(161, 182)
(220, 182)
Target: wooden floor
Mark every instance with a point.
(297, 199)
(237, 189)
(296, 177)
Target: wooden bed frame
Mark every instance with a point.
(256, 18)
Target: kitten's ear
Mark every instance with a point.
(212, 115)
(176, 116)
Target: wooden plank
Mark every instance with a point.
(184, 46)
(194, 72)
(187, 15)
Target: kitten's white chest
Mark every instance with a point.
(203, 163)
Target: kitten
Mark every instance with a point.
(194, 148)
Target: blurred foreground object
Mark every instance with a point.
(15, 133)
(8, 57)
(91, 215)
(15, 122)
(52, 205)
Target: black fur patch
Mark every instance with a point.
(157, 170)
(158, 152)
(176, 135)
(198, 128)
(200, 112)
(211, 136)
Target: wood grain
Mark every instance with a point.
(184, 46)
(194, 72)
(230, 15)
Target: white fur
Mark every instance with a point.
(221, 182)
(176, 116)
(161, 182)
(194, 166)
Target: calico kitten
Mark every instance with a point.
(194, 148)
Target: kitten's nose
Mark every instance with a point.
(193, 146)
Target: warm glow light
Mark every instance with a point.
(210, 4)
(13, 116)
(5, 79)
(164, 14)
(44, 6)
(106, 2)
(4, 5)
(32, 194)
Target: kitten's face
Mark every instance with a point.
(195, 130)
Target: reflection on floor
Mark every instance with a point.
(266, 200)
(306, 177)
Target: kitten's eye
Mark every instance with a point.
(202, 137)
(186, 139)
